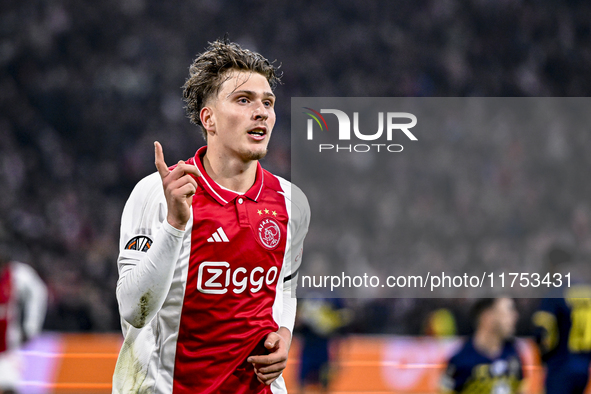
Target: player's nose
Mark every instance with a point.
(261, 112)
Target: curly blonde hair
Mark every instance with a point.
(209, 71)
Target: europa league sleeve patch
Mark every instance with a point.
(141, 243)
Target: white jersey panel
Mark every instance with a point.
(299, 211)
(153, 264)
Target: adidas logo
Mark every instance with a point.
(218, 236)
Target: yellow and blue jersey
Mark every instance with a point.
(563, 333)
(471, 372)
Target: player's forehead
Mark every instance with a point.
(244, 81)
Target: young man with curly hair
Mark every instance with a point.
(210, 247)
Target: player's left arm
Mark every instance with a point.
(300, 210)
(33, 294)
(269, 367)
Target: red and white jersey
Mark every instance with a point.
(196, 303)
(23, 297)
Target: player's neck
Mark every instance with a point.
(230, 173)
(488, 342)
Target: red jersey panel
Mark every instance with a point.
(237, 251)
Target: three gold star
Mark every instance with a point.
(260, 212)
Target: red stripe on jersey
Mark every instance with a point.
(5, 291)
(231, 285)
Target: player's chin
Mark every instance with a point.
(256, 154)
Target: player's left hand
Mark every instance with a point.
(269, 367)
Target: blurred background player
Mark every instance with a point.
(320, 322)
(563, 331)
(23, 302)
(488, 363)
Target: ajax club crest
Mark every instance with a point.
(269, 233)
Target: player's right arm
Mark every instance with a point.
(152, 231)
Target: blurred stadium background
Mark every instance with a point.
(86, 87)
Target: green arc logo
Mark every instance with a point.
(315, 116)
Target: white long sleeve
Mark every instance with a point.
(300, 211)
(289, 310)
(149, 250)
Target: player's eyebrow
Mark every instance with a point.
(251, 93)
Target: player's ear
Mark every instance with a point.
(207, 119)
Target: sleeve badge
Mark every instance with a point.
(141, 243)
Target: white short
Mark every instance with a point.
(10, 370)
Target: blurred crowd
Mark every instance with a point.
(86, 87)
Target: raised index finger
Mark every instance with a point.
(159, 160)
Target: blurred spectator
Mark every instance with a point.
(441, 323)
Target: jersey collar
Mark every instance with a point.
(220, 194)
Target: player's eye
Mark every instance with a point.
(243, 100)
(268, 103)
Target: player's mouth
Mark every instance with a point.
(258, 133)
